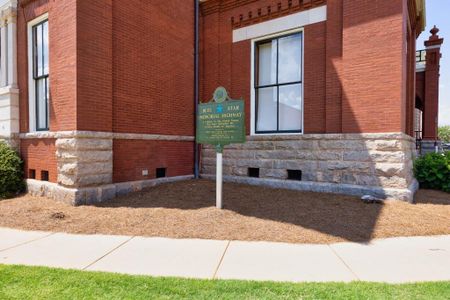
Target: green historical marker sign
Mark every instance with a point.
(222, 121)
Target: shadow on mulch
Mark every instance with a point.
(338, 215)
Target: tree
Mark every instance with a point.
(444, 134)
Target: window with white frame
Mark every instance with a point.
(39, 75)
(278, 84)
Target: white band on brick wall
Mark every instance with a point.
(289, 22)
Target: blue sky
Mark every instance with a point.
(438, 13)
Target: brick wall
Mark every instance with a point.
(94, 65)
(153, 67)
(39, 155)
(153, 84)
(62, 39)
(355, 63)
(131, 157)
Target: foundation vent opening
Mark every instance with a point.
(32, 173)
(294, 175)
(44, 175)
(253, 172)
(161, 172)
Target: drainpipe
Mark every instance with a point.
(196, 86)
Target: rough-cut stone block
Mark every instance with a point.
(67, 180)
(238, 172)
(334, 177)
(360, 179)
(388, 157)
(254, 163)
(306, 155)
(296, 145)
(68, 168)
(295, 165)
(342, 144)
(388, 170)
(84, 144)
(238, 154)
(362, 156)
(92, 180)
(273, 173)
(384, 145)
(328, 155)
(393, 182)
(85, 156)
(95, 168)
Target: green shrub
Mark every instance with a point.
(433, 171)
(11, 174)
(444, 134)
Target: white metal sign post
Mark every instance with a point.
(219, 181)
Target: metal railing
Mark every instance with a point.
(418, 134)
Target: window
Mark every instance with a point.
(278, 84)
(40, 75)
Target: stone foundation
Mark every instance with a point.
(429, 146)
(85, 159)
(12, 141)
(93, 195)
(357, 164)
(85, 167)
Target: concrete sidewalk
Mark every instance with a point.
(393, 260)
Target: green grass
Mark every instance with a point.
(18, 282)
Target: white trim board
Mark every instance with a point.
(252, 82)
(289, 22)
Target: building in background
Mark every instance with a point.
(99, 95)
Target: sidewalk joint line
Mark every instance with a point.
(28, 242)
(108, 253)
(221, 260)
(345, 264)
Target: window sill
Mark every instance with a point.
(277, 134)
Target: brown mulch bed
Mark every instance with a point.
(186, 210)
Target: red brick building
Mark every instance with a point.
(101, 94)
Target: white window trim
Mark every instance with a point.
(252, 81)
(31, 91)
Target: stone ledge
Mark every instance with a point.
(103, 135)
(93, 195)
(153, 137)
(333, 136)
(320, 187)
